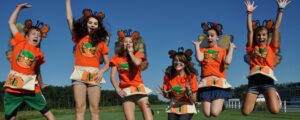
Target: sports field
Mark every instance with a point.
(116, 113)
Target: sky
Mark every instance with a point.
(163, 24)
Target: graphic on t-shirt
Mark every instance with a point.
(211, 54)
(260, 53)
(88, 50)
(25, 58)
(123, 67)
(178, 92)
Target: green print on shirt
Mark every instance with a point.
(211, 54)
(88, 50)
(25, 58)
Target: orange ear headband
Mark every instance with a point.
(188, 53)
(44, 28)
(269, 24)
(206, 26)
(88, 12)
(121, 34)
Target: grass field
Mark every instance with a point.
(116, 113)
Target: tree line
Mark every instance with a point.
(61, 97)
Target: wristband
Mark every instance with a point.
(281, 7)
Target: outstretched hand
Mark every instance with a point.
(197, 43)
(188, 90)
(250, 6)
(161, 91)
(283, 3)
(24, 5)
(232, 45)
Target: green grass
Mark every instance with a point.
(116, 113)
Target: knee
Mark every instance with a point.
(94, 109)
(206, 114)
(215, 113)
(80, 108)
(245, 113)
(275, 111)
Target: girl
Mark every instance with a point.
(180, 85)
(24, 81)
(127, 62)
(213, 87)
(88, 34)
(262, 56)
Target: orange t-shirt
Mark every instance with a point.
(262, 55)
(25, 58)
(179, 82)
(88, 55)
(213, 63)
(122, 65)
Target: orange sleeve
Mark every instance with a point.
(273, 46)
(166, 84)
(202, 50)
(194, 84)
(113, 61)
(75, 39)
(42, 59)
(105, 49)
(249, 49)
(17, 38)
(139, 55)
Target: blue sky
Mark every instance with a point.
(164, 25)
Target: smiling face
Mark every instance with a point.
(212, 37)
(178, 63)
(261, 37)
(34, 37)
(92, 25)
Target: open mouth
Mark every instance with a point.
(92, 29)
(261, 42)
(35, 41)
(209, 41)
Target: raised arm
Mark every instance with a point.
(281, 5)
(228, 57)
(250, 9)
(69, 15)
(199, 55)
(13, 18)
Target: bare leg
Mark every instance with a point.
(94, 99)
(216, 107)
(80, 100)
(49, 115)
(146, 110)
(272, 101)
(206, 107)
(129, 108)
(249, 103)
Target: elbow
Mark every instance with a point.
(10, 23)
(138, 63)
